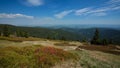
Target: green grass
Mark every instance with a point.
(33, 57)
(19, 39)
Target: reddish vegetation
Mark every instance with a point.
(33, 56)
(50, 55)
(43, 52)
(106, 49)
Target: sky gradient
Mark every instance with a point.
(59, 12)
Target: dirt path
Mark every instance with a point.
(52, 44)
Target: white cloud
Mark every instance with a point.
(101, 11)
(116, 8)
(113, 2)
(4, 15)
(82, 11)
(32, 2)
(107, 7)
(92, 11)
(63, 14)
(110, 5)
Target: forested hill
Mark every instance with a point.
(48, 33)
(67, 33)
(105, 33)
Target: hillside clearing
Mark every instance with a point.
(87, 58)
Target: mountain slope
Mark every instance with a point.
(105, 33)
(71, 34)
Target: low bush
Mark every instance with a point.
(33, 57)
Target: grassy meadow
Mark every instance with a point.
(54, 54)
(33, 57)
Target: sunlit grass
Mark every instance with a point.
(89, 61)
(64, 44)
(19, 39)
(33, 57)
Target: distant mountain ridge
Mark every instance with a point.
(65, 33)
(85, 26)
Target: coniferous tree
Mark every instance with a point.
(96, 39)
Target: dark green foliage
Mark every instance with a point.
(96, 39)
(0, 33)
(110, 34)
(6, 31)
(26, 35)
(110, 41)
(84, 40)
(21, 33)
(105, 42)
(55, 34)
(62, 38)
(18, 33)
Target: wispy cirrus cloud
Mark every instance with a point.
(111, 5)
(113, 2)
(107, 7)
(5, 15)
(82, 11)
(63, 14)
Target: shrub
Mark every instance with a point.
(32, 57)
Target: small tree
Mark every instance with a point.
(95, 39)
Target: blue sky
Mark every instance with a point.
(59, 12)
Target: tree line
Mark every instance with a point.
(54, 35)
(5, 31)
(96, 39)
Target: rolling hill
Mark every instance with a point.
(70, 34)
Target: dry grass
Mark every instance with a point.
(107, 49)
(64, 44)
(96, 59)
